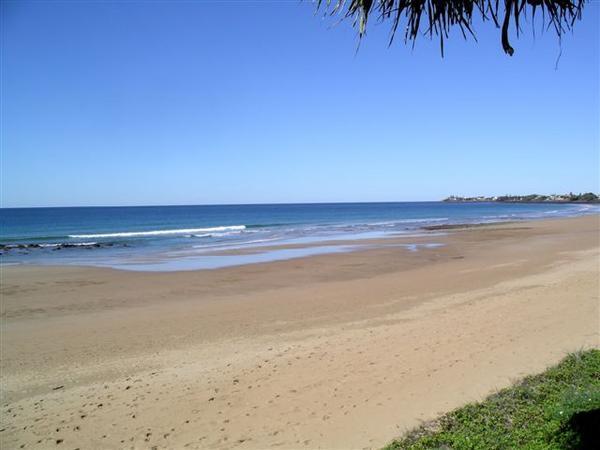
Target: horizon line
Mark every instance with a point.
(272, 203)
(223, 204)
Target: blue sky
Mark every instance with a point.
(196, 102)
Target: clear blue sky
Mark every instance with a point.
(194, 102)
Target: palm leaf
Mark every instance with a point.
(437, 17)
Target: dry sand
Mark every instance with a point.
(332, 351)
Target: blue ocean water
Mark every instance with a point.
(169, 237)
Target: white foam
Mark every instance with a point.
(51, 245)
(213, 235)
(387, 223)
(181, 231)
(427, 219)
(236, 246)
(588, 207)
(227, 233)
(74, 244)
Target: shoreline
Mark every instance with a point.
(339, 350)
(184, 262)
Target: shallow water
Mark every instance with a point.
(182, 237)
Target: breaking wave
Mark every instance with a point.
(179, 231)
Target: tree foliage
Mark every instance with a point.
(437, 17)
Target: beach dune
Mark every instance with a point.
(330, 351)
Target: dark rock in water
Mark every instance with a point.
(18, 246)
(22, 248)
(92, 246)
(12, 246)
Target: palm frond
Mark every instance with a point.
(437, 17)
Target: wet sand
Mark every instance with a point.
(331, 351)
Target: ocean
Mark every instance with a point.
(194, 237)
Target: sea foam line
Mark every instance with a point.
(159, 232)
(398, 221)
(237, 245)
(76, 244)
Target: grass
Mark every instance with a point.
(557, 409)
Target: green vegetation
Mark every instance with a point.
(588, 197)
(557, 409)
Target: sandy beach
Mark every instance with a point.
(332, 351)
